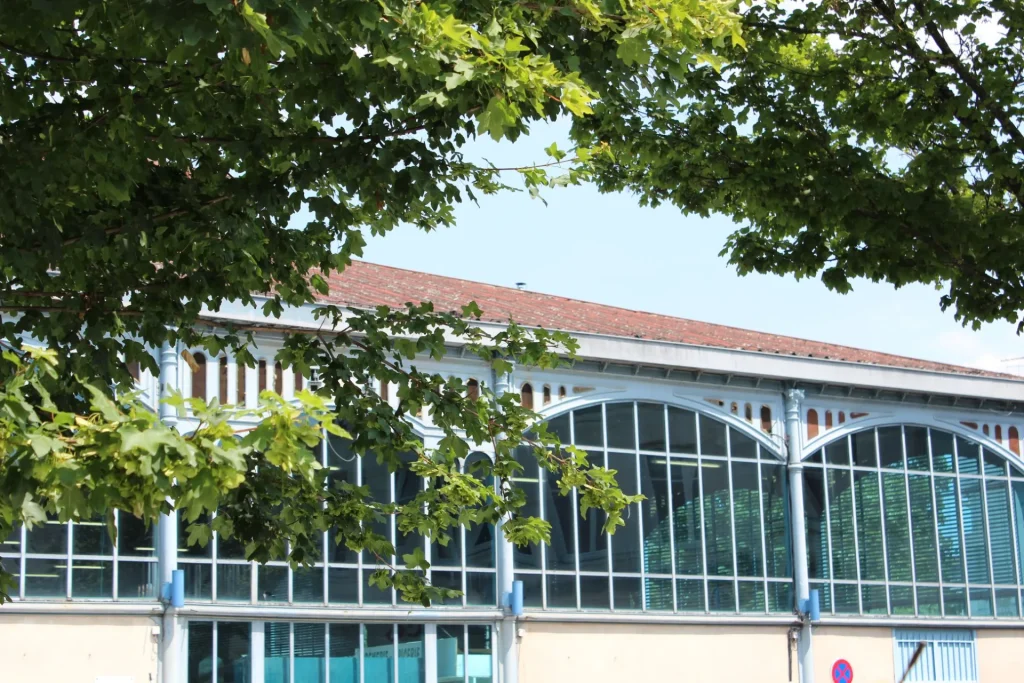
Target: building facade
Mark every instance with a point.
(773, 469)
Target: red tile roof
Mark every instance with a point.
(364, 285)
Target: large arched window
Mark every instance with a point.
(907, 520)
(711, 535)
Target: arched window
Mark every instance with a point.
(223, 379)
(385, 389)
(262, 379)
(547, 394)
(134, 370)
(240, 366)
(297, 377)
(199, 376)
(526, 396)
(908, 520)
(472, 389)
(278, 378)
(711, 535)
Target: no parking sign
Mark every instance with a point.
(842, 672)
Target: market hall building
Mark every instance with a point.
(772, 467)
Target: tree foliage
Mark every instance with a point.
(153, 157)
(866, 138)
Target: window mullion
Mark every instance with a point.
(935, 525)
(882, 520)
(828, 533)
(760, 519)
(636, 510)
(910, 516)
(671, 512)
(856, 540)
(703, 521)
(732, 524)
(960, 525)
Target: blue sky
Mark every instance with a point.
(606, 248)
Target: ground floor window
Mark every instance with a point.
(309, 652)
(948, 655)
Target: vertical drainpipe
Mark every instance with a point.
(172, 639)
(509, 654)
(793, 398)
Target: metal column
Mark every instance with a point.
(172, 637)
(794, 441)
(509, 654)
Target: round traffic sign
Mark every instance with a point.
(842, 672)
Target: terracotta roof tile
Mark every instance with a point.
(364, 285)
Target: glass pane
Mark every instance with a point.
(276, 652)
(846, 598)
(234, 582)
(721, 596)
(134, 538)
(874, 600)
(815, 520)
(890, 447)
(92, 579)
(682, 431)
(621, 425)
(587, 427)
(652, 426)
(377, 478)
(741, 445)
(310, 653)
(344, 653)
(379, 653)
(407, 487)
(751, 596)
(897, 532)
(233, 665)
(922, 516)
(967, 456)
(480, 537)
(184, 549)
(981, 602)
(864, 454)
(12, 544)
(1000, 531)
(308, 585)
(343, 585)
(780, 597)
(928, 601)
(479, 664)
(747, 519)
(50, 538)
(560, 512)
(686, 515)
(628, 594)
(91, 538)
(917, 448)
(626, 539)
(480, 589)
(690, 595)
(954, 602)
(942, 451)
(949, 530)
(273, 584)
(372, 593)
(717, 519)
(1006, 602)
(975, 537)
(824, 596)
(198, 581)
(138, 580)
(776, 519)
(411, 663)
(659, 595)
(869, 527)
(994, 465)
(594, 592)
(528, 480)
(838, 452)
(342, 465)
(533, 589)
(657, 549)
(451, 652)
(1018, 515)
(559, 426)
(451, 580)
(200, 652)
(45, 578)
(902, 600)
(712, 437)
(844, 546)
(561, 591)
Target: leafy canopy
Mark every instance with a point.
(153, 157)
(867, 138)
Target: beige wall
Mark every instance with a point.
(626, 653)
(1000, 655)
(77, 649)
(869, 650)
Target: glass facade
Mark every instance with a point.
(907, 520)
(220, 571)
(311, 652)
(61, 560)
(711, 535)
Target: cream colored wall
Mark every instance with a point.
(868, 650)
(1000, 655)
(626, 653)
(77, 649)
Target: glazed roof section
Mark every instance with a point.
(365, 285)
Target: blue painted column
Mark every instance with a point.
(172, 638)
(508, 651)
(794, 447)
